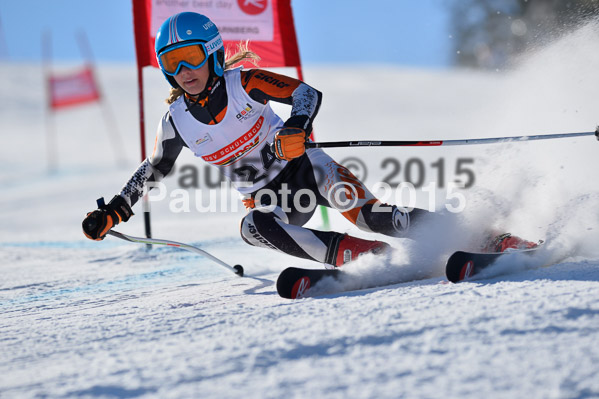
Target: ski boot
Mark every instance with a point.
(506, 242)
(350, 248)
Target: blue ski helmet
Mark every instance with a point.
(186, 29)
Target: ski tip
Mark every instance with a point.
(457, 274)
(300, 288)
(463, 265)
(293, 283)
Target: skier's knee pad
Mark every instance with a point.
(257, 226)
(388, 219)
(246, 227)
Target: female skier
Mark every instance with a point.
(222, 115)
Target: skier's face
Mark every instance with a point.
(193, 81)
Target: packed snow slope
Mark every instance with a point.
(112, 319)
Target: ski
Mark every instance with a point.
(463, 265)
(294, 282)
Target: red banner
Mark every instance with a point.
(75, 88)
(268, 24)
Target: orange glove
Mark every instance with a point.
(290, 143)
(97, 223)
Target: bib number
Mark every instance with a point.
(250, 173)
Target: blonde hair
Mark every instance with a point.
(243, 54)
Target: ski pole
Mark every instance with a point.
(237, 269)
(434, 143)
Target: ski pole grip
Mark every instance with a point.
(597, 132)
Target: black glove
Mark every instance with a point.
(97, 223)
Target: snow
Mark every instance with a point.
(112, 319)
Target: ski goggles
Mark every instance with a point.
(192, 55)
